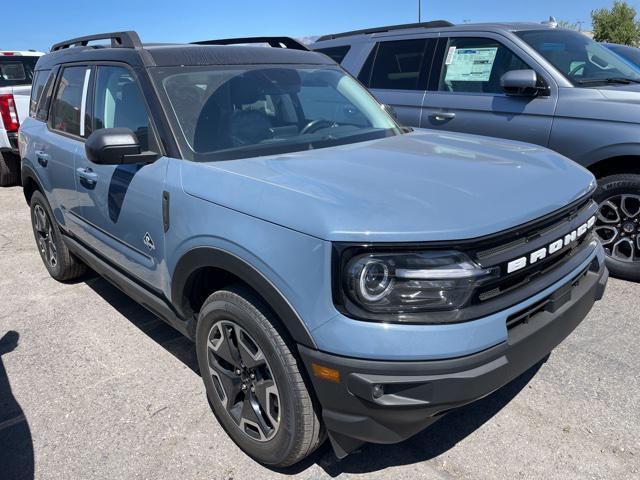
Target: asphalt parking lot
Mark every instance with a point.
(94, 386)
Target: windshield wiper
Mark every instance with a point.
(620, 80)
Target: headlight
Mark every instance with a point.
(397, 286)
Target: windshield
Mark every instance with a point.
(249, 111)
(630, 54)
(581, 60)
(16, 70)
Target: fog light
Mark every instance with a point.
(378, 391)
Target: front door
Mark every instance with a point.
(122, 204)
(465, 94)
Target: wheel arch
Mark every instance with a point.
(30, 183)
(215, 268)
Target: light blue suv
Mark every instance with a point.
(340, 275)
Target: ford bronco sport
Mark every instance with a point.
(340, 275)
(521, 81)
(16, 76)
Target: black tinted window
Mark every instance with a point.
(476, 65)
(16, 70)
(65, 111)
(337, 54)
(39, 82)
(119, 103)
(398, 65)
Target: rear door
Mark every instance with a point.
(465, 95)
(396, 73)
(56, 156)
(122, 204)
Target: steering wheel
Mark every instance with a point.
(576, 69)
(315, 125)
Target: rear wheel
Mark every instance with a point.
(9, 169)
(618, 223)
(60, 263)
(253, 380)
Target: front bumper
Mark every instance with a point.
(389, 401)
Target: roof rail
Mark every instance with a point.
(432, 24)
(128, 39)
(276, 42)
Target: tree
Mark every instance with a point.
(616, 25)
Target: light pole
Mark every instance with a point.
(419, 11)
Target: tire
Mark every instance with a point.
(296, 429)
(9, 169)
(50, 243)
(612, 190)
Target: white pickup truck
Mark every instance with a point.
(16, 77)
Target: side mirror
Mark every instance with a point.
(521, 83)
(116, 146)
(390, 110)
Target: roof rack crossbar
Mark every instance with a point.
(388, 28)
(275, 42)
(128, 39)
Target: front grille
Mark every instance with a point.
(529, 239)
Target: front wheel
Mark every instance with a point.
(254, 382)
(618, 223)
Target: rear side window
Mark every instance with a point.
(337, 54)
(16, 70)
(119, 103)
(476, 65)
(398, 65)
(67, 103)
(39, 81)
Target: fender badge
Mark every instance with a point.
(148, 241)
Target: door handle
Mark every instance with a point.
(442, 116)
(43, 158)
(88, 176)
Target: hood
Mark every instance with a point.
(422, 186)
(609, 103)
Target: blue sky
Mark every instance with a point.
(40, 23)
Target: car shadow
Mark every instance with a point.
(435, 440)
(16, 444)
(162, 333)
(432, 442)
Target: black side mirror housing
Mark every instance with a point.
(522, 83)
(116, 146)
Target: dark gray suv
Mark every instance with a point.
(522, 81)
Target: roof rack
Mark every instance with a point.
(275, 42)
(432, 24)
(128, 39)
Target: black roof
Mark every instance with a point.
(126, 47)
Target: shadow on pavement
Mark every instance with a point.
(432, 442)
(16, 445)
(159, 331)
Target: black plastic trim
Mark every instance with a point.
(388, 28)
(128, 39)
(274, 42)
(200, 257)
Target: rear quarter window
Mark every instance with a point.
(336, 54)
(39, 81)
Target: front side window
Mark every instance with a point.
(476, 65)
(398, 65)
(16, 70)
(67, 106)
(581, 60)
(252, 111)
(119, 103)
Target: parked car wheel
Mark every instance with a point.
(9, 169)
(60, 263)
(254, 382)
(618, 223)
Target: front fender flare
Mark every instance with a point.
(200, 257)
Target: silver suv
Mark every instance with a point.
(522, 81)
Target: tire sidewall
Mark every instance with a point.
(39, 199)
(609, 187)
(276, 449)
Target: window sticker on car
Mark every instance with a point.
(471, 65)
(449, 59)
